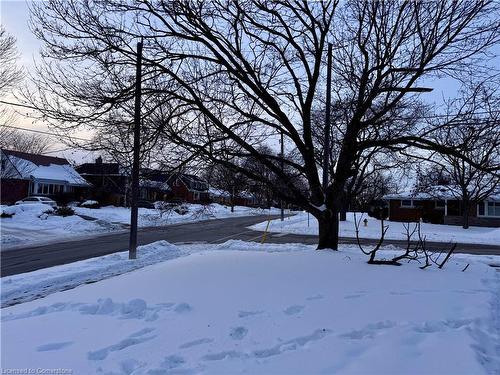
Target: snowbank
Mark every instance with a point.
(299, 224)
(149, 217)
(265, 310)
(31, 224)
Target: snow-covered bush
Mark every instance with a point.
(204, 212)
(90, 204)
(64, 211)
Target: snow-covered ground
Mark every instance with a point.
(29, 226)
(299, 224)
(259, 309)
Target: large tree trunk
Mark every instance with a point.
(328, 230)
(343, 210)
(465, 214)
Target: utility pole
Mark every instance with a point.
(132, 248)
(328, 125)
(282, 169)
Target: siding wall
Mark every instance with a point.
(473, 221)
(13, 189)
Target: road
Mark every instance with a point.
(20, 260)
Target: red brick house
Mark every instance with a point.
(189, 188)
(24, 174)
(440, 206)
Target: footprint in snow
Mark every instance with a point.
(53, 346)
(238, 333)
(190, 344)
(182, 308)
(133, 339)
(315, 297)
(294, 309)
(244, 314)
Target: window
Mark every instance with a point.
(406, 203)
(494, 209)
(480, 208)
(49, 189)
(489, 209)
(440, 204)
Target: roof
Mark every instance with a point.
(35, 158)
(218, 193)
(439, 192)
(193, 182)
(41, 167)
(158, 185)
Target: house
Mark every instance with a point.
(154, 185)
(23, 174)
(243, 198)
(219, 196)
(440, 205)
(109, 181)
(189, 188)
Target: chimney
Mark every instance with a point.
(98, 160)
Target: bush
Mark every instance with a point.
(64, 211)
(6, 214)
(181, 209)
(378, 209)
(90, 204)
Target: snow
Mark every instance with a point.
(26, 227)
(56, 172)
(30, 225)
(260, 309)
(153, 217)
(298, 224)
(89, 202)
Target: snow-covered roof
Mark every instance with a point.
(45, 171)
(439, 192)
(163, 186)
(218, 193)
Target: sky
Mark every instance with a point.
(14, 15)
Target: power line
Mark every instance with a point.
(428, 117)
(46, 133)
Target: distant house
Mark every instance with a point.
(243, 198)
(23, 174)
(440, 206)
(219, 196)
(109, 181)
(154, 185)
(189, 188)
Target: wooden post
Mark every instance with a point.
(132, 249)
(282, 169)
(326, 146)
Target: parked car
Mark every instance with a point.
(32, 200)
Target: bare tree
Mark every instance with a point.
(10, 73)
(13, 139)
(475, 132)
(227, 75)
(224, 178)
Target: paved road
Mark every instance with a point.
(20, 260)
